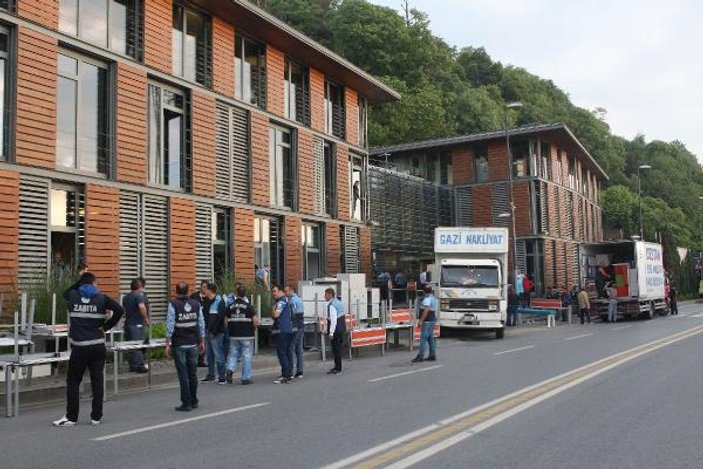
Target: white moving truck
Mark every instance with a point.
(470, 269)
(636, 267)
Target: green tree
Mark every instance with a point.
(619, 209)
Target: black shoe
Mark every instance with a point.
(247, 381)
(298, 376)
(229, 377)
(222, 381)
(183, 408)
(142, 369)
(334, 372)
(195, 406)
(207, 379)
(417, 359)
(431, 358)
(202, 365)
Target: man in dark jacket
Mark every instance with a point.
(215, 348)
(87, 318)
(199, 296)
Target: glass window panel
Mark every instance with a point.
(313, 265)
(195, 30)
(90, 117)
(118, 24)
(250, 67)
(265, 230)
(257, 230)
(3, 107)
(68, 17)
(172, 99)
(173, 124)
(93, 22)
(68, 65)
(177, 41)
(220, 227)
(3, 43)
(59, 207)
(154, 134)
(66, 123)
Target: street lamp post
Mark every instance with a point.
(513, 105)
(639, 196)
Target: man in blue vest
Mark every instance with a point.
(87, 309)
(241, 323)
(426, 324)
(283, 330)
(215, 348)
(336, 327)
(299, 329)
(185, 333)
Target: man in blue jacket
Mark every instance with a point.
(215, 347)
(283, 329)
(87, 319)
(299, 329)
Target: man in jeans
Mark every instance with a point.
(135, 324)
(185, 332)
(215, 348)
(299, 329)
(283, 328)
(426, 325)
(241, 323)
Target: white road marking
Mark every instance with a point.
(619, 328)
(179, 422)
(514, 350)
(579, 336)
(405, 373)
(461, 436)
(699, 315)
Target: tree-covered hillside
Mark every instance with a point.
(449, 91)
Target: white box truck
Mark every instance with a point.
(636, 268)
(471, 270)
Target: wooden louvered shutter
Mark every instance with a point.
(351, 250)
(223, 144)
(500, 203)
(33, 255)
(241, 161)
(155, 253)
(464, 206)
(318, 174)
(130, 238)
(203, 242)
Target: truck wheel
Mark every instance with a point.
(652, 311)
(500, 333)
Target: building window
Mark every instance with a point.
(572, 174)
(250, 71)
(221, 242)
(7, 5)
(169, 146)
(358, 187)
(481, 164)
(363, 122)
(67, 226)
(281, 167)
(268, 248)
(4, 94)
(445, 168)
(312, 254)
(330, 179)
(190, 45)
(559, 170)
(335, 112)
(82, 114)
(112, 24)
(521, 154)
(297, 92)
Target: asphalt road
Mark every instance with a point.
(598, 396)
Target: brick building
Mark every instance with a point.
(177, 140)
(556, 190)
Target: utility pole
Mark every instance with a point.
(405, 6)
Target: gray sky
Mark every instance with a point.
(640, 60)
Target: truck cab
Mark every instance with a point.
(471, 278)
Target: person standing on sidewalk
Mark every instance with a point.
(199, 296)
(612, 302)
(185, 333)
(336, 327)
(299, 329)
(215, 349)
(584, 306)
(87, 309)
(242, 322)
(283, 329)
(673, 301)
(426, 324)
(513, 304)
(135, 324)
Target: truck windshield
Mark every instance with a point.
(469, 276)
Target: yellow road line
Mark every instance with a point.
(513, 402)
